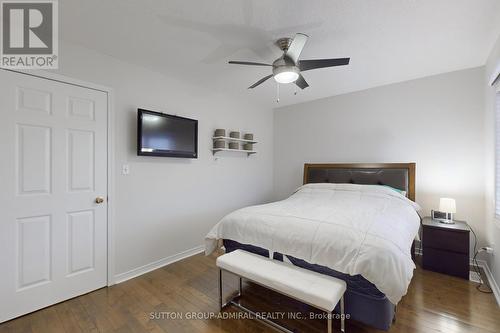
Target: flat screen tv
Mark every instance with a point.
(160, 134)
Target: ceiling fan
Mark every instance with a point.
(288, 67)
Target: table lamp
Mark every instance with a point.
(448, 206)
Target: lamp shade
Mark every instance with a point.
(447, 205)
(286, 74)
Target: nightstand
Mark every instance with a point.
(445, 247)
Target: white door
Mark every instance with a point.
(53, 166)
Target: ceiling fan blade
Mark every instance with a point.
(301, 82)
(249, 63)
(260, 81)
(296, 47)
(306, 65)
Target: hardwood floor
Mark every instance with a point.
(155, 302)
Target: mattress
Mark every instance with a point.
(363, 301)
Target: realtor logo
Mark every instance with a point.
(29, 34)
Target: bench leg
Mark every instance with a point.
(330, 323)
(240, 287)
(220, 289)
(222, 305)
(342, 314)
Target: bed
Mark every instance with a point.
(356, 222)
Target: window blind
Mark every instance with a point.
(497, 154)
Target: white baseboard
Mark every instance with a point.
(157, 264)
(491, 281)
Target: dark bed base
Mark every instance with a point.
(363, 301)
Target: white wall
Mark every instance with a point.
(166, 205)
(493, 225)
(437, 122)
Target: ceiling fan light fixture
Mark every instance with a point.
(286, 77)
(286, 74)
(288, 67)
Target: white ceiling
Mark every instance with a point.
(388, 40)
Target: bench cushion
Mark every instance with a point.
(318, 290)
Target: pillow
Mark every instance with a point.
(403, 193)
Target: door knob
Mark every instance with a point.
(99, 200)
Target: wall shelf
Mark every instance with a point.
(248, 152)
(227, 138)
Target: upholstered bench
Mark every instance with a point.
(320, 291)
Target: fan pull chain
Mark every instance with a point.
(277, 92)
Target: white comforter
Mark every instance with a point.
(353, 229)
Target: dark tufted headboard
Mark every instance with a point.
(397, 175)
